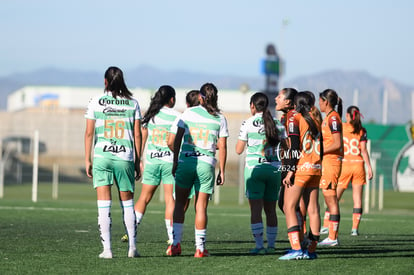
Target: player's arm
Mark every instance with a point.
(176, 147)
(365, 157)
(89, 132)
(222, 148)
(138, 145)
(240, 145)
(144, 133)
(336, 144)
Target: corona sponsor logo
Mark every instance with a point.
(106, 101)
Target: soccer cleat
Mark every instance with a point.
(324, 230)
(133, 253)
(106, 254)
(199, 254)
(124, 238)
(309, 255)
(173, 250)
(354, 232)
(292, 255)
(329, 242)
(258, 251)
(270, 250)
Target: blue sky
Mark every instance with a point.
(215, 36)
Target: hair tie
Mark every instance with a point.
(356, 111)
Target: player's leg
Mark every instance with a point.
(168, 183)
(256, 225)
(102, 181)
(271, 225)
(204, 187)
(169, 209)
(124, 173)
(184, 181)
(104, 219)
(147, 192)
(269, 205)
(311, 198)
(201, 203)
(357, 190)
(292, 197)
(150, 181)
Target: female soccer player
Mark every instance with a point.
(263, 136)
(284, 103)
(304, 134)
(353, 170)
(332, 158)
(114, 120)
(156, 125)
(200, 131)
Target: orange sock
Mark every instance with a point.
(314, 239)
(326, 218)
(356, 218)
(293, 234)
(334, 226)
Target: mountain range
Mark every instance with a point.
(370, 89)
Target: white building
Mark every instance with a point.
(66, 99)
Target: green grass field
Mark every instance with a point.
(61, 237)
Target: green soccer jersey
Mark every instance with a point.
(201, 132)
(114, 126)
(158, 130)
(258, 151)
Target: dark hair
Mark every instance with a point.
(333, 99)
(209, 93)
(261, 102)
(160, 98)
(316, 114)
(116, 84)
(303, 103)
(289, 93)
(192, 98)
(355, 115)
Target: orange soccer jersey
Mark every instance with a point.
(353, 169)
(331, 164)
(309, 163)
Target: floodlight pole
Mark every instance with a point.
(271, 69)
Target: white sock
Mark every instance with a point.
(177, 233)
(138, 216)
(257, 230)
(169, 230)
(200, 238)
(129, 221)
(104, 223)
(271, 234)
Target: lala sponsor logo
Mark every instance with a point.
(113, 148)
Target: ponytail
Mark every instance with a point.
(261, 102)
(339, 108)
(116, 83)
(355, 121)
(303, 102)
(161, 98)
(209, 94)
